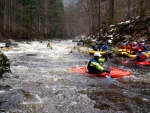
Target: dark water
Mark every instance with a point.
(40, 83)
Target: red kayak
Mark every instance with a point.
(144, 63)
(115, 72)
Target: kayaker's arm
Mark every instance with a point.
(97, 65)
(102, 60)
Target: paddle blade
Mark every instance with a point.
(109, 78)
(125, 62)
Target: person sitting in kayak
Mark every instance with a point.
(96, 47)
(94, 66)
(105, 47)
(49, 46)
(122, 46)
(140, 56)
(140, 46)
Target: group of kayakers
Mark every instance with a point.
(94, 65)
(135, 48)
(133, 45)
(97, 47)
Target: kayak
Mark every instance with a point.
(144, 63)
(129, 55)
(123, 52)
(5, 48)
(49, 47)
(134, 55)
(120, 52)
(115, 72)
(91, 52)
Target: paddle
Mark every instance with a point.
(108, 76)
(125, 62)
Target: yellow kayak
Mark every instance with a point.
(120, 52)
(134, 55)
(5, 48)
(91, 52)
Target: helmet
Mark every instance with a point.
(134, 42)
(97, 54)
(143, 43)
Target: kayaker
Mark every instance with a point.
(49, 45)
(122, 45)
(105, 47)
(7, 45)
(94, 66)
(96, 47)
(140, 46)
(140, 56)
(144, 45)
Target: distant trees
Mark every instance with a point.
(46, 18)
(95, 14)
(32, 18)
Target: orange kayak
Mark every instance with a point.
(115, 72)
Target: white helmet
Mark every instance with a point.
(97, 54)
(143, 43)
(134, 42)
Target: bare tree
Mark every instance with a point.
(142, 9)
(129, 9)
(111, 11)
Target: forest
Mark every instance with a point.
(27, 19)
(48, 19)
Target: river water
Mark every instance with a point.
(40, 83)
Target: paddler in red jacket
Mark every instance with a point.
(140, 46)
(140, 56)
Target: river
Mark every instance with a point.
(40, 83)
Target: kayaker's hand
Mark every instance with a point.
(107, 70)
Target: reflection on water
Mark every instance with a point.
(42, 84)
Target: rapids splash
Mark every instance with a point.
(40, 83)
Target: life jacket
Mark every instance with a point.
(122, 46)
(142, 57)
(92, 69)
(141, 47)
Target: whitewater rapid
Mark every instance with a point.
(40, 83)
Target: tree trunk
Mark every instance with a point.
(142, 9)
(1, 15)
(129, 9)
(111, 11)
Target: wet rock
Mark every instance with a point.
(131, 30)
(79, 49)
(4, 64)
